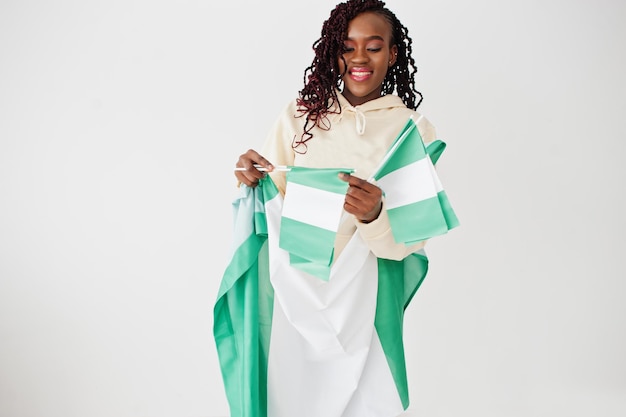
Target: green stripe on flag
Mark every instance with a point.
(451, 220)
(398, 281)
(318, 270)
(269, 189)
(417, 221)
(265, 190)
(321, 178)
(407, 148)
(435, 149)
(260, 223)
(305, 241)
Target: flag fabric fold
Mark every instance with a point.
(416, 202)
(243, 309)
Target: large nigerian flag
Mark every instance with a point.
(416, 202)
(290, 344)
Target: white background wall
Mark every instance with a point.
(120, 122)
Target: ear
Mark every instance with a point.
(393, 55)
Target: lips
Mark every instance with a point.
(360, 74)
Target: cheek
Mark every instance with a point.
(342, 66)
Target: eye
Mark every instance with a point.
(348, 49)
(374, 49)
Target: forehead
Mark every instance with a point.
(368, 25)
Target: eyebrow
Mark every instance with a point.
(369, 38)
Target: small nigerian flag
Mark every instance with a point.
(312, 210)
(416, 202)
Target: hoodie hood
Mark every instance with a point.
(362, 111)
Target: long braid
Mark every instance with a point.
(322, 77)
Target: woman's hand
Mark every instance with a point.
(363, 199)
(246, 171)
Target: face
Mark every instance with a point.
(368, 56)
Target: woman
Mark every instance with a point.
(338, 348)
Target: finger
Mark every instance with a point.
(361, 201)
(251, 158)
(249, 175)
(364, 190)
(248, 168)
(365, 210)
(357, 182)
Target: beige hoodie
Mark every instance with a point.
(358, 138)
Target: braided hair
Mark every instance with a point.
(322, 77)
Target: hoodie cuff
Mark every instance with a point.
(376, 228)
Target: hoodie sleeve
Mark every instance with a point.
(278, 144)
(378, 233)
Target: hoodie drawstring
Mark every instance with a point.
(360, 120)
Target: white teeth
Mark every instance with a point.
(360, 74)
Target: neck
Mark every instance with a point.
(357, 101)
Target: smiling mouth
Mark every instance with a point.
(360, 75)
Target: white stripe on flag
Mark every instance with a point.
(323, 213)
(410, 184)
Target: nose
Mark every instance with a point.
(359, 56)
